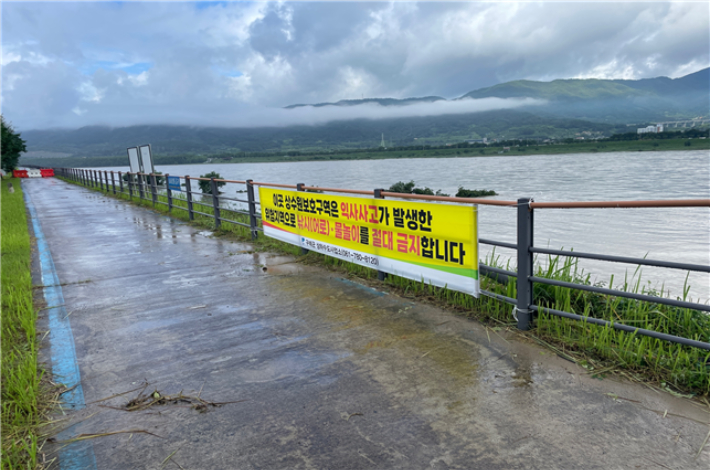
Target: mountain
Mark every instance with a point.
(380, 101)
(596, 89)
(617, 101)
(611, 101)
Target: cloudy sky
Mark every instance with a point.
(72, 64)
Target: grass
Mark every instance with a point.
(599, 349)
(23, 402)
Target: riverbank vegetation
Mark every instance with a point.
(601, 350)
(409, 188)
(23, 402)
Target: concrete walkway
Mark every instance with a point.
(335, 375)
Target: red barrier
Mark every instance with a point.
(46, 173)
(19, 173)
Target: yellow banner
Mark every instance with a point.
(433, 242)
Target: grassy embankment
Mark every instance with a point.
(600, 350)
(650, 145)
(22, 405)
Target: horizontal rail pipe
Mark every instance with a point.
(502, 276)
(233, 199)
(502, 298)
(211, 216)
(622, 327)
(619, 293)
(624, 259)
(485, 241)
(463, 200)
(338, 190)
(230, 181)
(621, 204)
(275, 185)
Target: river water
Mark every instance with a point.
(671, 234)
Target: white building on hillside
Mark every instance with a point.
(651, 129)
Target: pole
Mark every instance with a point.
(525, 264)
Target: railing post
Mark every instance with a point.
(525, 264)
(299, 187)
(106, 178)
(130, 185)
(215, 203)
(140, 185)
(381, 275)
(120, 183)
(153, 189)
(169, 192)
(113, 182)
(101, 181)
(188, 194)
(252, 210)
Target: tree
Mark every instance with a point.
(12, 146)
(206, 186)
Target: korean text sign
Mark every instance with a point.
(434, 243)
(174, 183)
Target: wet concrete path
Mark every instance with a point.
(335, 375)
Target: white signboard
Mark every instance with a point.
(146, 158)
(133, 160)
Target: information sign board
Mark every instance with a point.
(174, 183)
(146, 159)
(133, 160)
(429, 242)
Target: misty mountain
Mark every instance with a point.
(596, 89)
(380, 101)
(99, 141)
(613, 101)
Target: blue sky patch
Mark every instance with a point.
(131, 69)
(226, 72)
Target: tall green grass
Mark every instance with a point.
(598, 348)
(21, 393)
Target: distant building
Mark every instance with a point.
(651, 129)
(478, 141)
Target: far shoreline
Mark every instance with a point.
(669, 145)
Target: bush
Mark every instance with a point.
(408, 188)
(12, 146)
(206, 186)
(475, 192)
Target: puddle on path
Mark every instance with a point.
(391, 344)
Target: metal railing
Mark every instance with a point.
(143, 185)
